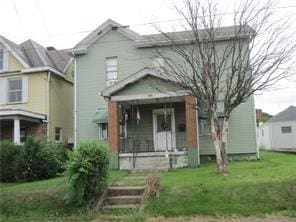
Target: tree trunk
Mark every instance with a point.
(225, 140)
(220, 148)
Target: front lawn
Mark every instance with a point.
(42, 201)
(251, 188)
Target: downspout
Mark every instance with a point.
(197, 135)
(47, 105)
(75, 101)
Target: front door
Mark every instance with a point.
(164, 135)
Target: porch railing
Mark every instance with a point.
(136, 145)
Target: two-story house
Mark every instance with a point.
(36, 92)
(118, 99)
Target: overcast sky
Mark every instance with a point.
(63, 23)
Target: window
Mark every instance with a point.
(111, 70)
(1, 59)
(14, 90)
(103, 131)
(204, 127)
(58, 134)
(286, 129)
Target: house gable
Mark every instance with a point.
(107, 26)
(12, 62)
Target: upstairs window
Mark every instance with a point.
(111, 70)
(286, 129)
(15, 88)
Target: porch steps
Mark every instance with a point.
(125, 195)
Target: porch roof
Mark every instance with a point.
(101, 116)
(144, 84)
(4, 113)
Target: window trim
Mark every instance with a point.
(286, 127)
(106, 67)
(60, 134)
(11, 91)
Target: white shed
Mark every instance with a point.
(279, 132)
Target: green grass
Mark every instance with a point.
(251, 188)
(42, 201)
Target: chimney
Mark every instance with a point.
(259, 116)
(50, 48)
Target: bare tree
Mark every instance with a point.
(226, 65)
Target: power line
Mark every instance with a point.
(164, 21)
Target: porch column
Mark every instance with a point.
(16, 131)
(191, 131)
(113, 133)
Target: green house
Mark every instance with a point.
(148, 122)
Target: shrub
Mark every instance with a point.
(35, 160)
(43, 159)
(11, 162)
(87, 171)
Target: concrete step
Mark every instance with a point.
(125, 190)
(123, 200)
(120, 207)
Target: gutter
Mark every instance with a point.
(75, 100)
(47, 102)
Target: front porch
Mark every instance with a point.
(17, 125)
(151, 129)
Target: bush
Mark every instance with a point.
(11, 162)
(35, 160)
(42, 159)
(87, 171)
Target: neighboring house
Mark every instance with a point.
(36, 92)
(279, 132)
(117, 74)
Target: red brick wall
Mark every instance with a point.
(190, 122)
(113, 126)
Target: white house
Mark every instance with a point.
(279, 132)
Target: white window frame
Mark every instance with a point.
(13, 91)
(111, 69)
(60, 134)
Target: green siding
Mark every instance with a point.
(91, 81)
(242, 132)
